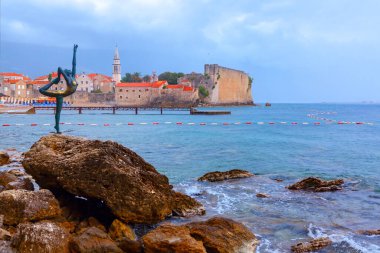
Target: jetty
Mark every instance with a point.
(136, 110)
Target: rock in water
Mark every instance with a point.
(103, 171)
(313, 245)
(170, 238)
(369, 232)
(41, 237)
(317, 185)
(4, 158)
(223, 235)
(21, 205)
(93, 240)
(10, 181)
(221, 176)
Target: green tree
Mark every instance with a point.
(146, 78)
(132, 78)
(203, 92)
(250, 80)
(171, 77)
(50, 77)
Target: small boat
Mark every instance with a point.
(14, 109)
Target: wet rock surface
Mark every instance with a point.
(15, 180)
(4, 158)
(42, 237)
(317, 185)
(186, 206)
(312, 245)
(226, 175)
(21, 205)
(262, 195)
(103, 171)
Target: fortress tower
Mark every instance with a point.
(116, 73)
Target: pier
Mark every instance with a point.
(136, 110)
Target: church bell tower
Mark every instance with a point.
(116, 73)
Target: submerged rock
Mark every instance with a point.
(221, 176)
(93, 240)
(10, 180)
(42, 237)
(4, 158)
(21, 205)
(106, 172)
(312, 245)
(223, 235)
(186, 206)
(262, 195)
(369, 232)
(317, 185)
(170, 238)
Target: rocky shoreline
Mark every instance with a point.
(78, 195)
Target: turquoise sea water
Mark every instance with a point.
(279, 150)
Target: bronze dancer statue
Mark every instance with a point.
(72, 85)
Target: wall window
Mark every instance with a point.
(61, 81)
(139, 90)
(127, 90)
(126, 97)
(121, 90)
(86, 82)
(146, 89)
(5, 88)
(18, 92)
(121, 97)
(139, 96)
(27, 92)
(133, 90)
(81, 82)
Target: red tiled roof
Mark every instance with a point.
(10, 74)
(93, 75)
(175, 86)
(38, 82)
(188, 88)
(152, 85)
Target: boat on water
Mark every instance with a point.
(17, 109)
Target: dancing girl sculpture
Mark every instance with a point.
(72, 85)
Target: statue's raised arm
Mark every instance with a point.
(74, 68)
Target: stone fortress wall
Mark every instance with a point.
(229, 86)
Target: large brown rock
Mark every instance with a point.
(220, 176)
(93, 240)
(317, 185)
(4, 158)
(104, 171)
(21, 205)
(10, 181)
(312, 245)
(187, 206)
(41, 237)
(223, 235)
(170, 238)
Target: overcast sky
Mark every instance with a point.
(296, 50)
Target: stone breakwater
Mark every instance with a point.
(97, 196)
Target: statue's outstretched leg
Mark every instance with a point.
(59, 101)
